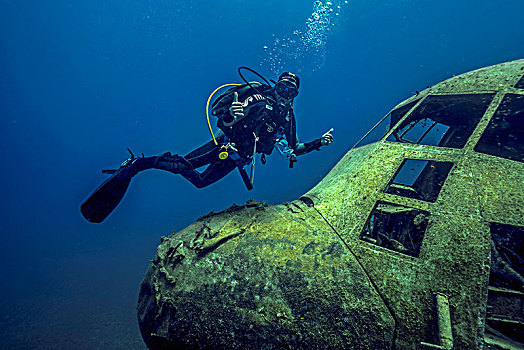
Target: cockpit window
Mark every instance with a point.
(443, 120)
(386, 124)
(520, 83)
(419, 179)
(504, 135)
(396, 227)
(398, 113)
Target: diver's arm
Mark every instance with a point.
(304, 148)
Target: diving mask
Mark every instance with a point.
(286, 89)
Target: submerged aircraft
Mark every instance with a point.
(414, 240)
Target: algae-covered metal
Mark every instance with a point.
(413, 241)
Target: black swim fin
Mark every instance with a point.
(106, 197)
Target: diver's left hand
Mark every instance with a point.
(327, 138)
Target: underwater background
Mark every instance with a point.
(82, 80)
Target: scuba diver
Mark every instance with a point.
(253, 118)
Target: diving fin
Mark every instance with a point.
(106, 197)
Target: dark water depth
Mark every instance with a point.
(83, 80)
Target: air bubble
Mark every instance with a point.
(307, 54)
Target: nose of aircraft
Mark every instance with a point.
(259, 276)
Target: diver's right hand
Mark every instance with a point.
(237, 109)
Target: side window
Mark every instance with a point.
(396, 227)
(443, 120)
(419, 179)
(505, 312)
(507, 256)
(520, 83)
(504, 135)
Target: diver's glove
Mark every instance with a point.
(237, 108)
(327, 138)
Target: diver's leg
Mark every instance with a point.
(173, 163)
(214, 172)
(107, 196)
(205, 154)
(186, 165)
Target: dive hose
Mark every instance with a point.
(270, 100)
(207, 110)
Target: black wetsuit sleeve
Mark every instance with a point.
(304, 148)
(299, 147)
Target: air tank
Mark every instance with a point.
(414, 240)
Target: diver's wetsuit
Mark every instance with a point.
(217, 169)
(185, 166)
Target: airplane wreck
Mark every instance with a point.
(414, 240)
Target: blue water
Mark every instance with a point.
(82, 80)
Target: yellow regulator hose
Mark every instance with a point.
(207, 109)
